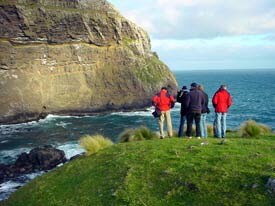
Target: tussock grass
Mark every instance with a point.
(93, 144)
(175, 133)
(210, 130)
(139, 134)
(251, 128)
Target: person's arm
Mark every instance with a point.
(206, 103)
(155, 100)
(202, 100)
(229, 100)
(179, 96)
(215, 100)
(172, 101)
(187, 101)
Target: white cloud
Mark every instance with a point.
(199, 34)
(223, 52)
(143, 19)
(183, 19)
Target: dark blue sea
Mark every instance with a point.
(253, 93)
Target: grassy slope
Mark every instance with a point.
(160, 172)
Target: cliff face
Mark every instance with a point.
(73, 57)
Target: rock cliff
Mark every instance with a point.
(73, 57)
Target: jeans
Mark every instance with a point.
(190, 117)
(181, 128)
(203, 125)
(220, 124)
(165, 115)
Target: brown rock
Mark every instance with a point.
(73, 57)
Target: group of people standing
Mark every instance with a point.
(194, 108)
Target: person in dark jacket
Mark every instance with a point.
(193, 103)
(181, 98)
(221, 102)
(163, 101)
(205, 110)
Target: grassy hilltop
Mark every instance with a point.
(161, 172)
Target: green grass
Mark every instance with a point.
(151, 72)
(174, 171)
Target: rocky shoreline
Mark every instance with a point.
(38, 159)
(29, 117)
(28, 166)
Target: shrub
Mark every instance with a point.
(251, 128)
(210, 130)
(93, 144)
(265, 129)
(139, 134)
(175, 133)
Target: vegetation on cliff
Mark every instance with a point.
(174, 171)
(73, 57)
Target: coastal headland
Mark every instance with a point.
(73, 57)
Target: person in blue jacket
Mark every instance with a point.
(193, 103)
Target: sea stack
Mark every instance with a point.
(73, 57)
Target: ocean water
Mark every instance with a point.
(253, 93)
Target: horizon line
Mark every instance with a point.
(221, 69)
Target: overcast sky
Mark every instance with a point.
(207, 34)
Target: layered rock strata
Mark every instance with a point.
(73, 57)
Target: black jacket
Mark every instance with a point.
(181, 98)
(205, 108)
(194, 101)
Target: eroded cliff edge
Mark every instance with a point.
(73, 57)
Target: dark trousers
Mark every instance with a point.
(181, 128)
(190, 118)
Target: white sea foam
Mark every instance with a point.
(34, 175)
(19, 125)
(7, 188)
(62, 124)
(15, 128)
(139, 113)
(146, 113)
(6, 156)
(177, 107)
(53, 116)
(71, 149)
(48, 119)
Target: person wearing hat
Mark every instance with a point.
(193, 103)
(221, 102)
(163, 101)
(181, 97)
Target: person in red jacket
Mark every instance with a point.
(163, 101)
(221, 101)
